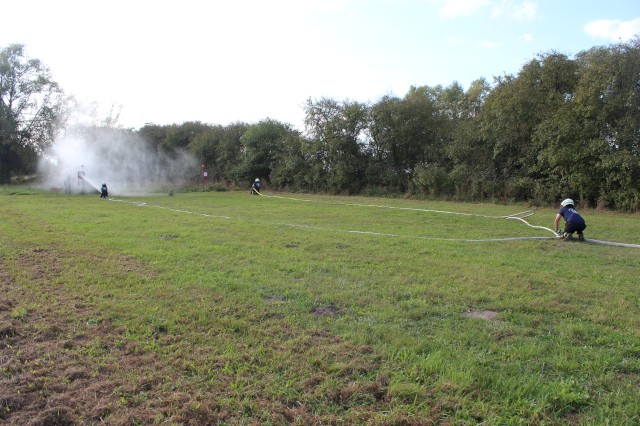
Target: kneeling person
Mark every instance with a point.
(574, 222)
(104, 192)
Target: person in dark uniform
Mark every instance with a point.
(255, 187)
(574, 222)
(104, 192)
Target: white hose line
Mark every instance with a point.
(139, 204)
(532, 226)
(383, 234)
(526, 213)
(380, 234)
(516, 216)
(608, 243)
(428, 210)
(612, 243)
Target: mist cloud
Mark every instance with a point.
(119, 158)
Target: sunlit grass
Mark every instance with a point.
(344, 307)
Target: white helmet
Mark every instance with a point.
(257, 180)
(566, 202)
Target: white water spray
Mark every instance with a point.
(92, 183)
(117, 157)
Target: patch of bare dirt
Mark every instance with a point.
(58, 368)
(274, 300)
(485, 315)
(326, 311)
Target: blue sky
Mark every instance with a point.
(220, 62)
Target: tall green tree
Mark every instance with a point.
(338, 131)
(221, 150)
(508, 118)
(403, 138)
(230, 153)
(291, 164)
(205, 146)
(31, 107)
(608, 100)
(512, 112)
(262, 143)
(153, 134)
(423, 131)
(561, 164)
(472, 174)
(179, 136)
(393, 150)
(449, 117)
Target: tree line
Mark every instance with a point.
(560, 127)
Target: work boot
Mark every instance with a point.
(568, 237)
(580, 237)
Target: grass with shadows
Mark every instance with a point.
(233, 309)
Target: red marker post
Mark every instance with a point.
(205, 174)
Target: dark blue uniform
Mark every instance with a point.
(575, 222)
(255, 188)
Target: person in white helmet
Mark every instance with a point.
(574, 222)
(255, 187)
(104, 192)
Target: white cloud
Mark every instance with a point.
(523, 11)
(458, 8)
(527, 37)
(613, 29)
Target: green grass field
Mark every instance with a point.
(226, 308)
